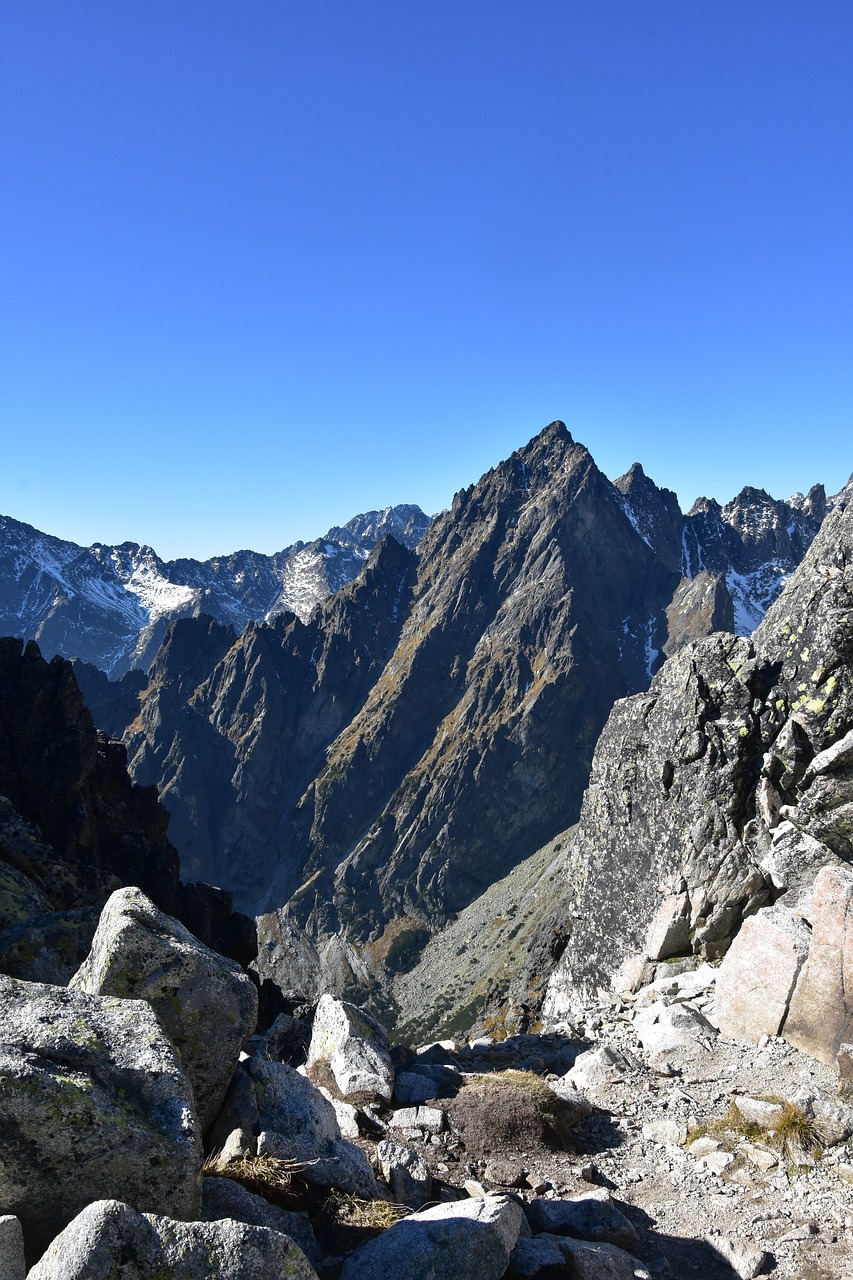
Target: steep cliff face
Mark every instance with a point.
(233, 730)
(73, 827)
(723, 788)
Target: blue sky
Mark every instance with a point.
(264, 265)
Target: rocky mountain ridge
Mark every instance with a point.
(110, 605)
(717, 822)
(359, 778)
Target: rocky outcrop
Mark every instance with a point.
(110, 1238)
(206, 1004)
(94, 1103)
(723, 789)
(73, 828)
(355, 1048)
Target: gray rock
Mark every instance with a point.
(406, 1173)
(662, 1026)
(596, 1068)
(110, 1239)
(590, 1216)
(590, 1260)
(225, 1198)
(205, 1002)
(412, 1088)
(355, 1047)
(767, 1115)
(532, 1255)
(297, 1123)
(94, 1103)
(759, 972)
(12, 1265)
(820, 1016)
(575, 1106)
(429, 1119)
(465, 1240)
(746, 1259)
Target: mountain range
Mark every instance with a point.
(357, 777)
(111, 605)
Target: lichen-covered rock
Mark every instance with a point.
(466, 1240)
(205, 1002)
(355, 1047)
(758, 974)
(110, 1239)
(94, 1102)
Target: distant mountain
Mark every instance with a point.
(358, 778)
(110, 606)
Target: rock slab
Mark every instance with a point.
(205, 1002)
(466, 1240)
(110, 1239)
(355, 1047)
(94, 1103)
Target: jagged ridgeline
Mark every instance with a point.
(358, 777)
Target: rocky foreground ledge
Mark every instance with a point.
(638, 1142)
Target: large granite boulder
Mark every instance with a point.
(223, 1197)
(759, 972)
(294, 1121)
(94, 1102)
(820, 1017)
(355, 1046)
(466, 1240)
(205, 1002)
(110, 1240)
(12, 1264)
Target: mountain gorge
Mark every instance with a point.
(358, 777)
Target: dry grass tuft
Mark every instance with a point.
(370, 1215)
(794, 1137)
(266, 1176)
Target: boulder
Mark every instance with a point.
(596, 1068)
(94, 1102)
(663, 1026)
(590, 1216)
(820, 1016)
(597, 1260)
(355, 1046)
(225, 1198)
(759, 972)
(406, 1173)
(205, 1002)
(295, 1122)
(429, 1119)
(465, 1240)
(575, 1106)
(532, 1256)
(110, 1239)
(411, 1088)
(12, 1265)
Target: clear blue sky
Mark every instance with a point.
(267, 263)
